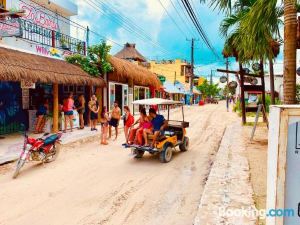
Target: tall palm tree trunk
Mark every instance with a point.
(290, 48)
(272, 88)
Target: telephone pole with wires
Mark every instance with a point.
(192, 63)
(227, 94)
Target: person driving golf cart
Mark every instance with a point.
(158, 126)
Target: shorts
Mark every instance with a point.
(94, 116)
(81, 111)
(68, 113)
(114, 122)
(161, 132)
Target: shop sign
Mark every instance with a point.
(27, 84)
(162, 79)
(52, 52)
(11, 28)
(25, 98)
(223, 79)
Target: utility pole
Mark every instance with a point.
(211, 75)
(227, 95)
(175, 78)
(192, 62)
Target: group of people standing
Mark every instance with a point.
(148, 124)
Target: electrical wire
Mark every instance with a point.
(172, 19)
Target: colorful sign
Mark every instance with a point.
(37, 15)
(52, 52)
(25, 84)
(10, 28)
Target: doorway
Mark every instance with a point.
(119, 95)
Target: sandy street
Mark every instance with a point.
(93, 184)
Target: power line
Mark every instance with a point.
(181, 18)
(183, 33)
(195, 21)
(119, 19)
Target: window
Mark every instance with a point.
(182, 70)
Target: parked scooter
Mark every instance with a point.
(44, 149)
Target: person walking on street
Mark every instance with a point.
(68, 106)
(94, 107)
(104, 125)
(115, 119)
(81, 110)
(128, 122)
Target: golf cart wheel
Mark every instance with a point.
(185, 145)
(139, 154)
(166, 155)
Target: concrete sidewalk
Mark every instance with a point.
(228, 186)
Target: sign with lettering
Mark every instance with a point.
(39, 15)
(25, 84)
(10, 28)
(52, 52)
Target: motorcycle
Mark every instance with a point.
(44, 149)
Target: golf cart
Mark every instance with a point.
(174, 133)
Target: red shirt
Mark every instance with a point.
(129, 121)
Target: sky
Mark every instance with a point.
(167, 30)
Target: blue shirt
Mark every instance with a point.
(157, 122)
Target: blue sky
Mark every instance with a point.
(151, 17)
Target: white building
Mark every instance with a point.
(44, 29)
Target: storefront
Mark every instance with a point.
(118, 92)
(129, 82)
(31, 80)
(140, 93)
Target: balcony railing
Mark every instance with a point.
(35, 33)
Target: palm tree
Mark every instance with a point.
(263, 17)
(290, 49)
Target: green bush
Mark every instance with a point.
(268, 102)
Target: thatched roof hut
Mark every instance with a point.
(16, 66)
(129, 52)
(124, 70)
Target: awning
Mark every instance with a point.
(188, 89)
(172, 88)
(17, 66)
(124, 69)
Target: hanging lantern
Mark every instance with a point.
(298, 71)
(233, 84)
(254, 81)
(246, 71)
(223, 79)
(256, 67)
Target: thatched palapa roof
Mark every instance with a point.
(124, 70)
(129, 52)
(16, 66)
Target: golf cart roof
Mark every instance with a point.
(156, 101)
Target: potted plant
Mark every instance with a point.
(79, 47)
(64, 43)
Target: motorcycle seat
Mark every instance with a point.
(51, 139)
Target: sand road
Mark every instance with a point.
(92, 184)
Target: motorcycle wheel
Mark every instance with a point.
(50, 158)
(20, 164)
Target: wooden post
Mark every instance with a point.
(262, 74)
(272, 88)
(55, 109)
(242, 94)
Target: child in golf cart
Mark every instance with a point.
(157, 129)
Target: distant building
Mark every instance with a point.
(173, 70)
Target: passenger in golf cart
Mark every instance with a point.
(159, 124)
